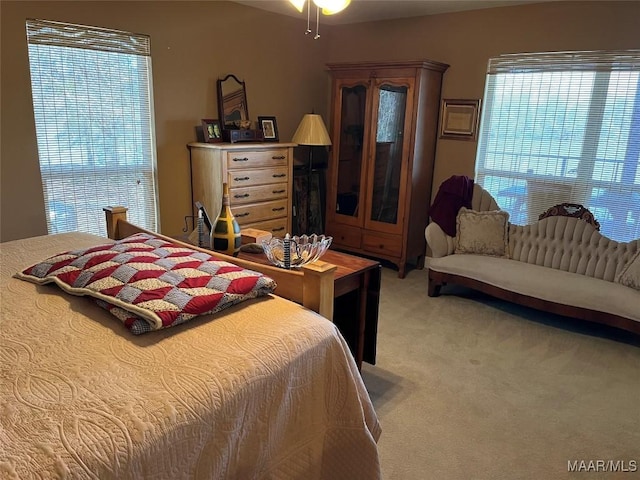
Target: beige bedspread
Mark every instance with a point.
(264, 390)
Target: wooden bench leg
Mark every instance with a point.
(434, 289)
(433, 286)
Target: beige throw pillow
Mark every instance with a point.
(483, 233)
(630, 274)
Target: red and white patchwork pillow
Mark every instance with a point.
(150, 283)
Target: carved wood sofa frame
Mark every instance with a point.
(438, 279)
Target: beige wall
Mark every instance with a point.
(194, 43)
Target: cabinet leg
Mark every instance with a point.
(402, 270)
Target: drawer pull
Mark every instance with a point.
(241, 179)
(277, 209)
(244, 214)
(244, 195)
(281, 157)
(244, 159)
(279, 175)
(279, 229)
(278, 191)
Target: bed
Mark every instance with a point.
(266, 389)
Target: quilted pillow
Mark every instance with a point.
(630, 274)
(483, 233)
(150, 283)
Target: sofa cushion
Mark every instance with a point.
(545, 283)
(483, 233)
(630, 274)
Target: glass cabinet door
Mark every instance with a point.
(350, 151)
(387, 178)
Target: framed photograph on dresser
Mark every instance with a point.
(269, 128)
(212, 130)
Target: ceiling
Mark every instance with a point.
(372, 10)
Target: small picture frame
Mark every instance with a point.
(269, 128)
(212, 130)
(460, 119)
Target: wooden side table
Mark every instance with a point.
(356, 300)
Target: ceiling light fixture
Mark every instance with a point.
(328, 7)
(299, 4)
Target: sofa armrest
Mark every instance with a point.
(440, 243)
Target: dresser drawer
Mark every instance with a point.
(258, 176)
(260, 159)
(386, 244)
(258, 212)
(345, 236)
(277, 227)
(260, 193)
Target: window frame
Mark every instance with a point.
(579, 172)
(133, 138)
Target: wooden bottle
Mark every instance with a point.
(225, 234)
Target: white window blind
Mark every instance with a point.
(564, 127)
(92, 100)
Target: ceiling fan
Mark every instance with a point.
(328, 7)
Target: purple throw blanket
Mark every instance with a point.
(454, 193)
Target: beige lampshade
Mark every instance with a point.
(311, 131)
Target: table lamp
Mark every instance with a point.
(312, 133)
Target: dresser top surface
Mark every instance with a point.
(242, 145)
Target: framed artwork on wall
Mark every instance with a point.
(460, 119)
(212, 130)
(269, 128)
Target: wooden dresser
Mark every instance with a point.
(259, 177)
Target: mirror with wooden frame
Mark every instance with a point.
(232, 102)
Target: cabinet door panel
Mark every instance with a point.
(345, 202)
(389, 160)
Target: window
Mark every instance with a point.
(92, 101)
(564, 127)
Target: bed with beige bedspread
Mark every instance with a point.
(265, 389)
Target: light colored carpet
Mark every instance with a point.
(470, 387)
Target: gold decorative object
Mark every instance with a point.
(243, 124)
(225, 234)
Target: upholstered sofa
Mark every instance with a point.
(560, 264)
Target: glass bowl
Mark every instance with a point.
(304, 249)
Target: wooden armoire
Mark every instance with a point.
(384, 125)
